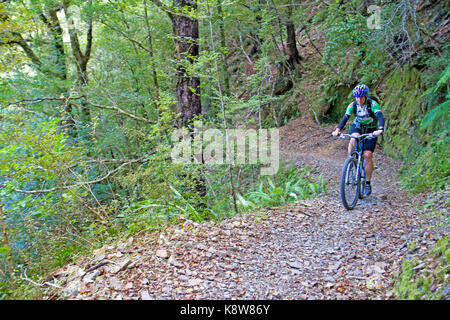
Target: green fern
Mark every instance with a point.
(443, 80)
(439, 112)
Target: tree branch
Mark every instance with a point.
(119, 110)
(25, 277)
(140, 45)
(141, 159)
(87, 52)
(163, 7)
(34, 101)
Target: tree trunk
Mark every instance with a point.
(81, 59)
(189, 105)
(150, 49)
(294, 57)
(186, 32)
(186, 36)
(224, 65)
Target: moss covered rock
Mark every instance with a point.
(403, 109)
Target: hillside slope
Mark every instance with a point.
(313, 249)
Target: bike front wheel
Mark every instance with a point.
(362, 180)
(349, 183)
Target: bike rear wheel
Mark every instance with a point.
(349, 183)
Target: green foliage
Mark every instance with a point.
(52, 213)
(417, 137)
(431, 168)
(440, 113)
(154, 213)
(436, 119)
(43, 226)
(349, 40)
(414, 283)
(352, 54)
(293, 185)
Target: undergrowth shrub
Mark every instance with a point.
(425, 282)
(290, 185)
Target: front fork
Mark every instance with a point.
(361, 176)
(360, 173)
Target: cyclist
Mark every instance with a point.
(367, 112)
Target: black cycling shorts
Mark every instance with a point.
(369, 144)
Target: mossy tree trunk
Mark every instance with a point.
(294, 56)
(186, 37)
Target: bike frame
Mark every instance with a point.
(360, 171)
(358, 154)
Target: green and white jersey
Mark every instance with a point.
(363, 114)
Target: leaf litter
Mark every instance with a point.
(312, 249)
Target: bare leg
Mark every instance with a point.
(368, 164)
(352, 143)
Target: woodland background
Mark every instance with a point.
(90, 92)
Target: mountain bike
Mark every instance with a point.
(353, 177)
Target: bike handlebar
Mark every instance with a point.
(365, 136)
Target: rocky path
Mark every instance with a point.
(313, 249)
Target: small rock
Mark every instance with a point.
(389, 294)
(96, 252)
(212, 250)
(100, 256)
(115, 255)
(162, 253)
(130, 241)
(232, 266)
(73, 288)
(295, 265)
(122, 247)
(174, 262)
(90, 277)
(195, 282)
(145, 295)
(129, 285)
(375, 269)
(122, 265)
(236, 224)
(166, 290)
(183, 278)
(74, 272)
(115, 283)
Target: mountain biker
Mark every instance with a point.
(367, 112)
